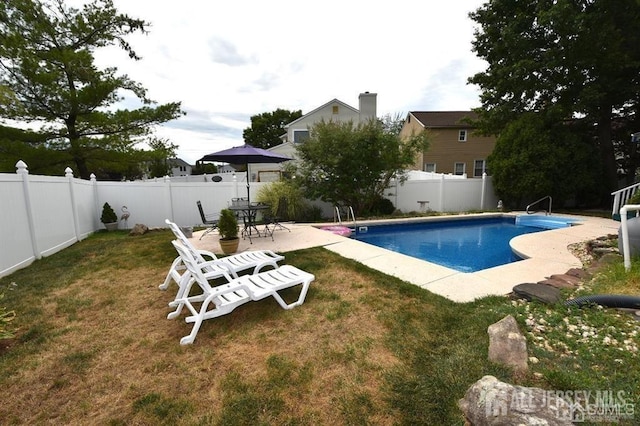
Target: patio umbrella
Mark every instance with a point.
(245, 154)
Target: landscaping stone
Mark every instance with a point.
(540, 292)
(490, 402)
(507, 345)
(561, 281)
(578, 273)
(139, 229)
(569, 279)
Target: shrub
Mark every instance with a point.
(272, 193)
(381, 207)
(634, 199)
(108, 215)
(227, 225)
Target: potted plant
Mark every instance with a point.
(228, 228)
(109, 217)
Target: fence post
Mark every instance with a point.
(167, 181)
(96, 202)
(21, 169)
(483, 191)
(441, 195)
(68, 173)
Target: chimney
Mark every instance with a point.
(367, 106)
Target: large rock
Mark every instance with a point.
(139, 229)
(490, 402)
(507, 345)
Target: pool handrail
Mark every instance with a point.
(337, 218)
(547, 212)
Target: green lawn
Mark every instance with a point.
(93, 345)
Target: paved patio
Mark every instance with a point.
(545, 254)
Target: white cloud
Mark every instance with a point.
(227, 61)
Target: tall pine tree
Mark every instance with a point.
(48, 75)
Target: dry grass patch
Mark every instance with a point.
(93, 346)
(99, 349)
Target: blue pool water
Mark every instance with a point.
(464, 245)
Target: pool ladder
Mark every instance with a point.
(338, 218)
(546, 212)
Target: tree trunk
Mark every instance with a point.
(607, 154)
(79, 159)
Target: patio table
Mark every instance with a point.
(249, 213)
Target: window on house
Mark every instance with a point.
(462, 136)
(300, 136)
(479, 167)
(430, 167)
(335, 109)
(458, 168)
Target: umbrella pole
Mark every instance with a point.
(248, 193)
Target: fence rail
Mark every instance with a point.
(41, 215)
(620, 198)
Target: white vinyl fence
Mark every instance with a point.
(41, 215)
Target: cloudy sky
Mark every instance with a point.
(226, 61)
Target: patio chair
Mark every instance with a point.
(207, 220)
(254, 260)
(222, 299)
(272, 221)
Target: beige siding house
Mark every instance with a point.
(454, 147)
(298, 131)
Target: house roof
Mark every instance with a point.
(177, 162)
(319, 108)
(442, 119)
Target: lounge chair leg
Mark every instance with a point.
(173, 274)
(300, 301)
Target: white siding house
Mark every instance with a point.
(180, 167)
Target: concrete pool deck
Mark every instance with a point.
(546, 253)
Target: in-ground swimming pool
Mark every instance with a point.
(467, 245)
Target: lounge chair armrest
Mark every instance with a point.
(215, 268)
(208, 254)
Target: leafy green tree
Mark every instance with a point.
(534, 157)
(568, 59)
(351, 165)
(159, 158)
(393, 123)
(201, 168)
(47, 74)
(267, 128)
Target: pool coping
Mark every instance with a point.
(545, 253)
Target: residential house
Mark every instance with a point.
(179, 167)
(298, 130)
(454, 148)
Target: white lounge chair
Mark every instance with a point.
(222, 299)
(255, 259)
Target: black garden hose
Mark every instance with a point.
(607, 300)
